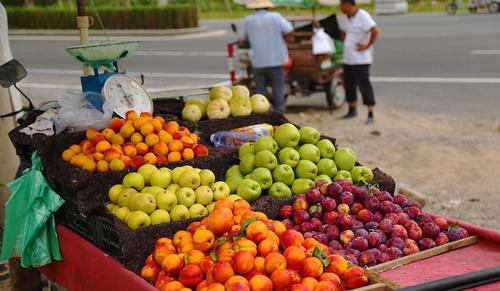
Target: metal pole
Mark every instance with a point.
(83, 23)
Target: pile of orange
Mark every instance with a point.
(132, 142)
(235, 248)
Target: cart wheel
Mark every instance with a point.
(494, 7)
(451, 9)
(335, 94)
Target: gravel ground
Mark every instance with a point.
(453, 161)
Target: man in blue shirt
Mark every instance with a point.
(266, 32)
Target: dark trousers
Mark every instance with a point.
(276, 76)
(358, 76)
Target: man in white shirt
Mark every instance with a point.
(266, 32)
(359, 32)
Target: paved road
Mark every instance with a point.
(429, 62)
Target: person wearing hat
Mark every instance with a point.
(266, 32)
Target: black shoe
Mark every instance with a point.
(350, 114)
(370, 120)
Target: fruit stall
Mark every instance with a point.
(223, 193)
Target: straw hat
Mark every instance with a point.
(257, 4)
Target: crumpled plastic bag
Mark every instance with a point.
(47, 123)
(322, 43)
(77, 114)
(30, 228)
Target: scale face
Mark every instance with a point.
(128, 95)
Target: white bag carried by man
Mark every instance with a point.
(322, 43)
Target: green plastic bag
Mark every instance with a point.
(30, 229)
(338, 56)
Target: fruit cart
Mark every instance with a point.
(305, 73)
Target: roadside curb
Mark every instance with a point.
(411, 193)
(110, 32)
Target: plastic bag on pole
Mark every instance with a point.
(78, 114)
(322, 43)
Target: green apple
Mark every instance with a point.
(135, 180)
(179, 212)
(125, 195)
(221, 190)
(240, 91)
(164, 169)
(301, 186)
(345, 159)
(197, 210)
(287, 135)
(306, 170)
(173, 188)
(266, 143)
(114, 192)
(187, 167)
(176, 173)
(233, 182)
(343, 175)
(233, 197)
(289, 156)
(309, 152)
(260, 104)
(189, 179)
(327, 167)
(234, 171)
(111, 207)
(280, 189)
(185, 196)
(159, 216)
(220, 92)
(263, 176)
(210, 207)
(192, 113)
(146, 170)
(121, 213)
(284, 173)
(265, 159)
(202, 104)
(138, 219)
(166, 200)
(144, 202)
(247, 164)
(323, 177)
(153, 190)
(326, 148)
(246, 148)
(204, 195)
(309, 135)
(240, 106)
(197, 170)
(361, 174)
(249, 190)
(160, 178)
(207, 177)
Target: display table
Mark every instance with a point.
(85, 267)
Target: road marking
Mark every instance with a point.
(181, 53)
(431, 80)
(485, 52)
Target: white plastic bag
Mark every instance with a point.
(322, 43)
(78, 115)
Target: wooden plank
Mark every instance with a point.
(389, 285)
(423, 255)
(372, 287)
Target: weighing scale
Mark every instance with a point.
(127, 93)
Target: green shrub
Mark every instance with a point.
(142, 17)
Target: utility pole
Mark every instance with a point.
(83, 24)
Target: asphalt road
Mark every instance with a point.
(423, 62)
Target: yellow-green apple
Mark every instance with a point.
(173, 188)
(153, 190)
(210, 207)
(146, 170)
(135, 180)
(301, 186)
(159, 216)
(197, 210)
(221, 190)
(220, 92)
(240, 91)
(185, 196)
(306, 169)
(204, 195)
(125, 196)
(114, 192)
(266, 143)
(260, 104)
(166, 200)
(218, 109)
(289, 156)
(247, 164)
(280, 189)
(246, 148)
(345, 158)
(164, 169)
(192, 113)
(189, 179)
(111, 207)
(179, 212)
(263, 176)
(233, 197)
(234, 171)
(143, 202)
(233, 182)
(309, 135)
(202, 104)
(324, 178)
(161, 179)
(326, 148)
(138, 219)
(287, 135)
(121, 213)
(284, 173)
(327, 167)
(176, 173)
(207, 177)
(240, 106)
(309, 152)
(361, 174)
(343, 175)
(266, 159)
(249, 190)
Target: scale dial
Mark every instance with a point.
(128, 95)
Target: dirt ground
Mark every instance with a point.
(453, 161)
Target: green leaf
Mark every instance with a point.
(453, 226)
(243, 230)
(322, 256)
(218, 243)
